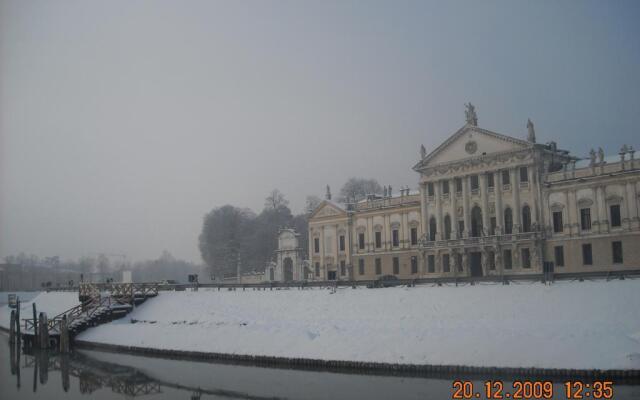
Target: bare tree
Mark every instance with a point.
(312, 202)
(358, 188)
(275, 200)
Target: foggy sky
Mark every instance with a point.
(123, 122)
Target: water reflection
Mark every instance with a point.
(99, 375)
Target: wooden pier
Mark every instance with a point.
(100, 303)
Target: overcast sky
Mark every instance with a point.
(123, 122)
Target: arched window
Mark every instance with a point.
(508, 221)
(447, 227)
(476, 221)
(432, 229)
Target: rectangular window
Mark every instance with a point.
(317, 269)
(458, 182)
(585, 219)
(615, 215)
(395, 237)
(508, 262)
(558, 255)
(396, 265)
(379, 266)
(343, 268)
(378, 239)
(430, 189)
(475, 184)
(445, 187)
(341, 242)
(446, 266)
(524, 174)
(490, 182)
(414, 265)
(526, 258)
(431, 263)
(491, 260)
(414, 236)
(616, 250)
(493, 222)
(361, 241)
(316, 245)
(505, 177)
(587, 257)
(361, 266)
(557, 222)
(460, 228)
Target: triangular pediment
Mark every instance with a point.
(328, 209)
(471, 142)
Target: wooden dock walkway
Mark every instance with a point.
(100, 303)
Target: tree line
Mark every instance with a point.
(234, 237)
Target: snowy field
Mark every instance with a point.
(566, 325)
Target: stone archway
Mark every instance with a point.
(287, 269)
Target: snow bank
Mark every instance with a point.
(53, 303)
(565, 325)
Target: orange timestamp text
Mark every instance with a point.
(531, 390)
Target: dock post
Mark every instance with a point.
(44, 331)
(18, 322)
(35, 326)
(64, 335)
(12, 327)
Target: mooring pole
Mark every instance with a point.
(44, 331)
(64, 335)
(18, 323)
(12, 327)
(35, 325)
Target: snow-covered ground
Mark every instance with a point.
(565, 325)
(52, 303)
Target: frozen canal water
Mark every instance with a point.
(101, 375)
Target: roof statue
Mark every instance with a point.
(328, 194)
(531, 133)
(385, 191)
(592, 157)
(600, 155)
(389, 190)
(470, 114)
(423, 151)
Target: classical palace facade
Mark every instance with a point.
(488, 204)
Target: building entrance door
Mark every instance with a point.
(288, 269)
(331, 275)
(476, 263)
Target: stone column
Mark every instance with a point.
(596, 217)
(484, 194)
(604, 215)
(497, 187)
(369, 234)
(515, 192)
(454, 208)
(632, 206)
(572, 206)
(533, 190)
(323, 267)
(423, 208)
(387, 232)
(466, 210)
(566, 222)
(336, 252)
(438, 191)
